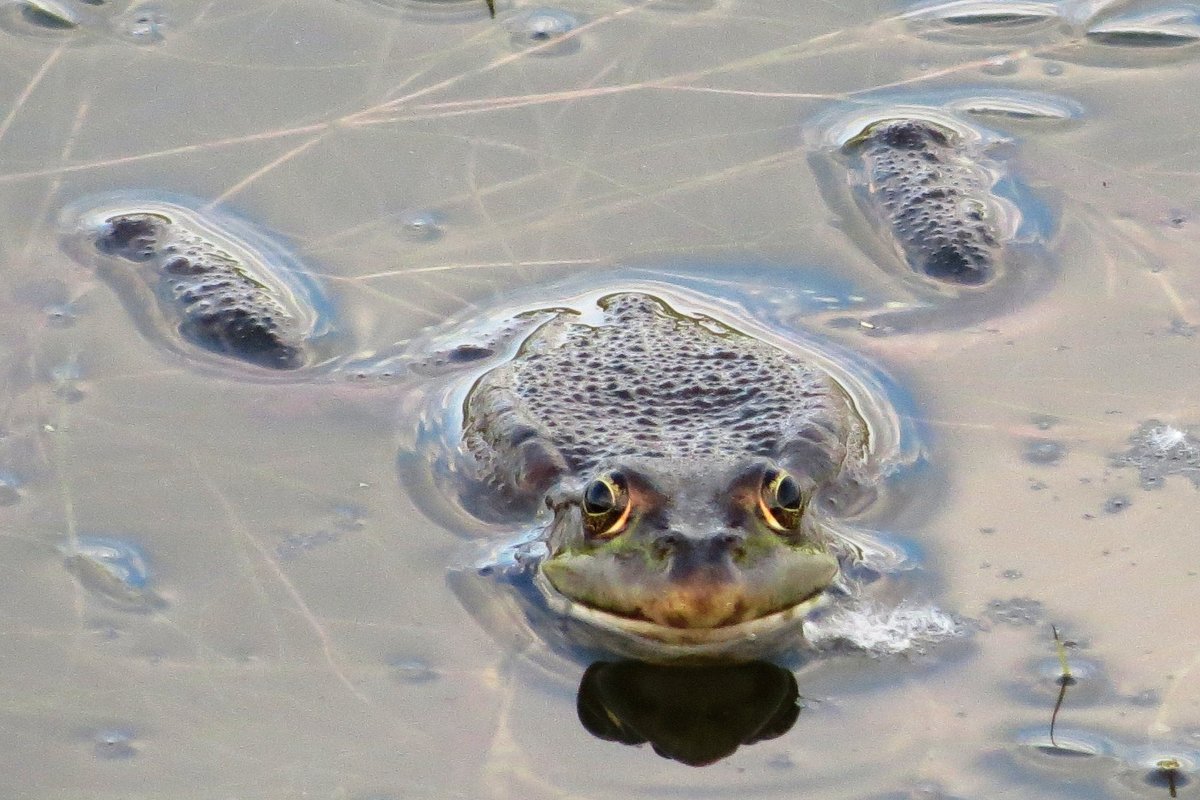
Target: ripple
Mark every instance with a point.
(1026, 106)
(983, 21)
(454, 11)
(145, 25)
(1164, 28)
(544, 32)
(114, 744)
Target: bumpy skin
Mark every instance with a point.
(651, 383)
(695, 420)
(219, 303)
(933, 198)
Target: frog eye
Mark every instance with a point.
(606, 505)
(781, 501)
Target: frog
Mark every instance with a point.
(689, 472)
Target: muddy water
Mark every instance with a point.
(216, 586)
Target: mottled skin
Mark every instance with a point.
(686, 463)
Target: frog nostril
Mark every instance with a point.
(668, 543)
(732, 543)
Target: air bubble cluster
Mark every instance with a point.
(1157, 450)
(932, 197)
(649, 382)
(213, 287)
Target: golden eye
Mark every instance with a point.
(781, 501)
(606, 505)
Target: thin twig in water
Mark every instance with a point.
(1064, 680)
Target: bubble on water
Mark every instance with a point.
(1158, 450)
(884, 631)
(422, 225)
(60, 315)
(114, 570)
(114, 744)
(1045, 452)
(201, 280)
(1116, 504)
(1161, 28)
(541, 31)
(1017, 611)
(146, 24)
(1012, 574)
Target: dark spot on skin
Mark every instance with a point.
(131, 237)
(951, 264)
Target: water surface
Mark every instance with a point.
(424, 162)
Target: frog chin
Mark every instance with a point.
(633, 590)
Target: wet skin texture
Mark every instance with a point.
(683, 462)
(935, 201)
(219, 304)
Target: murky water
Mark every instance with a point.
(215, 583)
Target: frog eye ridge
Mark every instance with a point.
(781, 500)
(605, 505)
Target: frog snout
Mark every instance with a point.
(706, 556)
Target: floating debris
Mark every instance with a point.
(113, 570)
(1017, 611)
(1158, 450)
(1116, 504)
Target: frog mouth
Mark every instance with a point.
(715, 641)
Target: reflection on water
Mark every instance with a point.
(695, 715)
